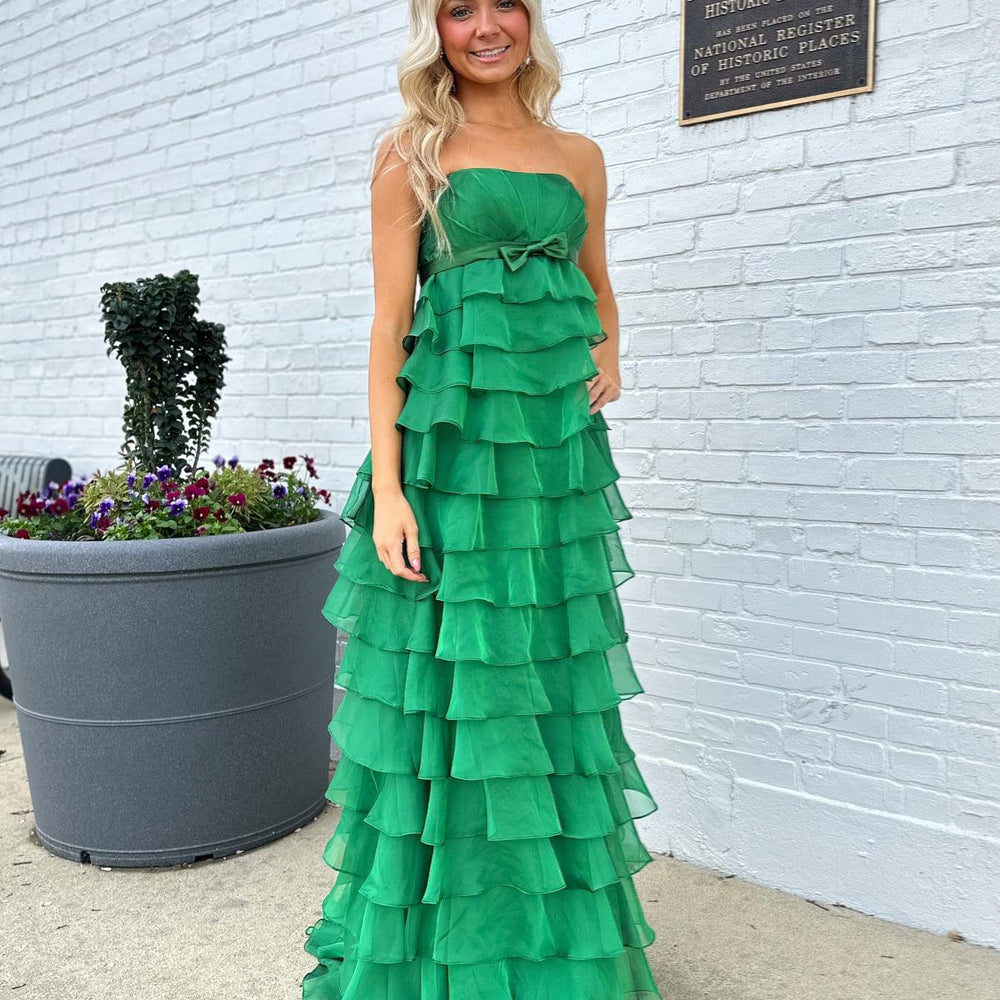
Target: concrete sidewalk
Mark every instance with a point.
(233, 928)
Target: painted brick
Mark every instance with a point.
(809, 312)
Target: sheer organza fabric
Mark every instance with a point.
(487, 841)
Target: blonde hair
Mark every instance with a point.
(433, 114)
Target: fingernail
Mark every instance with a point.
(416, 565)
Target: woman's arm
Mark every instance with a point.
(394, 262)
(606, 386)
(395, 242)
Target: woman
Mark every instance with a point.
(487, 844)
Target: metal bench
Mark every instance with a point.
(28, 472)
(17, 474)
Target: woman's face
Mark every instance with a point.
(468, 27)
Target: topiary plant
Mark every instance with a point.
(174, 366)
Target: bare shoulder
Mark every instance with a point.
(394, 204)
(582, 148)
(389, 169)
(587, 162)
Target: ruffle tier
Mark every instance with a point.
(626, 975)
(503, 356)
(472, 519)
(524, 310)
(487, 842)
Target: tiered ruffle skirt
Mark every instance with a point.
(487, 842)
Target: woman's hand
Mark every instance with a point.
(605, 386)
(394, 524)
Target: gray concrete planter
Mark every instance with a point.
(173, 696)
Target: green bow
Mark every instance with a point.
(515, 254)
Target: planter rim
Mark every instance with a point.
(45, 557)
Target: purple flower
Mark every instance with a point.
(150, 477)
(164, 472)
(178, 505)
(106, 504)
(233, 462)
(280, 490)
(130, 480)
(219, 461)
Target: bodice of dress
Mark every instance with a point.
(491, 212)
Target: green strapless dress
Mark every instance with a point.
(487, 842)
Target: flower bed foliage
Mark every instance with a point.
(162, 504)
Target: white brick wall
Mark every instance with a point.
(809, 432)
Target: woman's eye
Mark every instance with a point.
(462, 11)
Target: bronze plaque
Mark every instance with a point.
(740, 56)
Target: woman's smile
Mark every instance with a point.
(491, 55)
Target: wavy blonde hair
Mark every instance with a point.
(433, 113)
